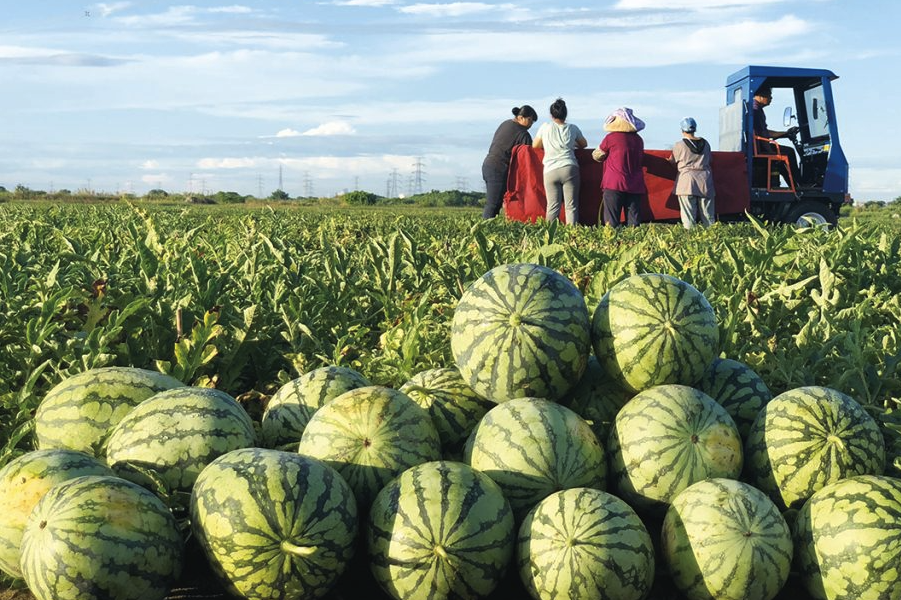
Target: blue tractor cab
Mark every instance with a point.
(805, 180)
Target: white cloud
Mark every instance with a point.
(285, 133)
(454, 9)
(148, 165)
(235, 10)
(227, 163)
(366, 3)
(106, 10)
(331, 128)
(670, 5)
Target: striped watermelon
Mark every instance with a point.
(738, 389)
(79, 411)
(654, 329)
(809, 437)
(273, 524)
(667, 438)
(532, 448)
(454, 407)
(521, 330)
(585, 543)
(725, 539)
(291, 407)
(370, 435)
(847, 539)
(100, 538)
(440, 530)
(23, 482)
(597, 399)
(175, 434)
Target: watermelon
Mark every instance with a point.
(284, 529)
(597, 399)
(100, 538)
(738, 389)
(532, 448)
(440, 530)
(23, 482)
(371, 435)
(78, 412)
(172, 436)
(725, 539)
(291, 407)
(584, 543)
(453, 406)
(667, 438)
(847, 540)
(654, 329)
(521, 330)
(807, 438)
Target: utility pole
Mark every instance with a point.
(462, 184)
(259, 186)
(417, 176)
(280, 178)
(392, 184)
(307, 185)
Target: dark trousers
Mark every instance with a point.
(495, 186)
(614, 203)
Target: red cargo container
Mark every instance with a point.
(525, 199)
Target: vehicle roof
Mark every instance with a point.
(788, 73)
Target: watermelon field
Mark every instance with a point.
(734, 345)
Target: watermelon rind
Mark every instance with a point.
(584, 543)
(285, 528)
(667, 438)
(847, 539)
(808, 437)
(654, 329)
(78, 412)
(370, 435)
(724, 539)
(597, 399)
(441, 530)
(290, 408)
(170, 437)
(23, 482)
(100, 538)
(738, 388)
(454, 407)
(532, 447)
(521, 330)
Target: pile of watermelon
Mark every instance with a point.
(612, 455)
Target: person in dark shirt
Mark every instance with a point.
(495, 167)
(762, 98)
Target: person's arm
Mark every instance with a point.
(537, 143)
(581, 142)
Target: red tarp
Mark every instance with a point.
(525, 199)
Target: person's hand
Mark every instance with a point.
(792, 131)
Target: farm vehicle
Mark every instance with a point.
(746, 170)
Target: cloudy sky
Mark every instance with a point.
(339, 95)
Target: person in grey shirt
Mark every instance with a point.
(562, 178)
(496, 166)
(694, 180)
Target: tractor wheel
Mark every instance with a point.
(812, 213)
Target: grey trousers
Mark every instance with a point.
(696, 209)
(563, 183)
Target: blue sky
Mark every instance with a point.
(350, 94)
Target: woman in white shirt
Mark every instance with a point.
(559, 140)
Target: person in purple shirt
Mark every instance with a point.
(622, 152)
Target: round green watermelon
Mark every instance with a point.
(848, 541)
(79, 412)
(273, 524)
(738, 389)
(667, 438)
(172, 436)
(442, 531)
(597, 399)
(585, 543)
(725, 539)
(521, 330)
(532, 448)
(100, 538)
(807, 438)
(454, 407)
(290, 408)
(654, 329)
(23, 482)
(370, 435)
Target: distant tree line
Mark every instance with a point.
(434, 198)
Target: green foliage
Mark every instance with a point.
(360, 198)
(279, 195)
(229, 198)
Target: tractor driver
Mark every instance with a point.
(762, 98)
